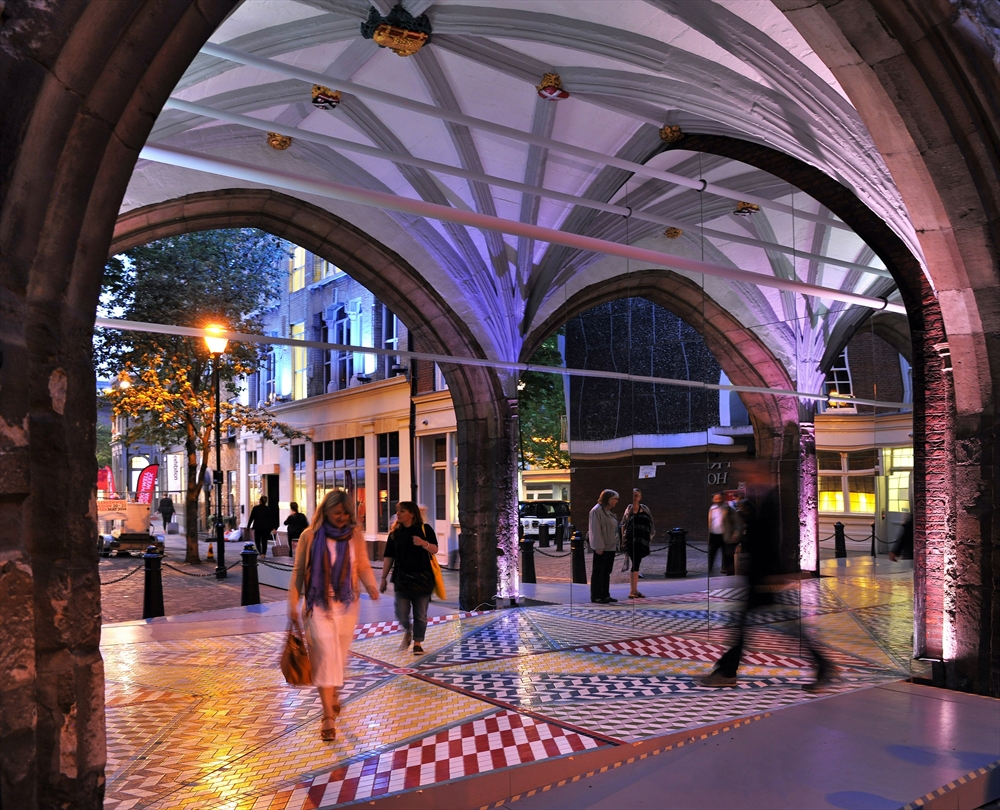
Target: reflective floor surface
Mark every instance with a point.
(197, 719)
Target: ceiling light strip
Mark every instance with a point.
(443, 168)
(312, 77)
(267, 340)
(361, 196)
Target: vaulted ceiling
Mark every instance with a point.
(461, 124)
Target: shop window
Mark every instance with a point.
(253, 478)
(299, 361)
(299, 475)
(297, 270)
(388, 478)
(340, 464)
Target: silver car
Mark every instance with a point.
(536, 513)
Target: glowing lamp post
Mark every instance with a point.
(217, 345)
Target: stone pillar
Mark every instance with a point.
(487, 493)
(808, 506)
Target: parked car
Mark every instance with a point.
(535, 513)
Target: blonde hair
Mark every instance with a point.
(335, 497)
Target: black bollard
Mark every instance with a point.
(677, 554)
(838, 540)
(579, 562)
(250, 594)
(543, 535)
(528, 561)
(873, 541)
(152, 594)
(560, 534)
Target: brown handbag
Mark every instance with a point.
(295, 665)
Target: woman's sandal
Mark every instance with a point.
(328, 729)
(637, 595)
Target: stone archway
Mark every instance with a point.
(747, 361)
(482, 412)
(925, 82)
(742, 355)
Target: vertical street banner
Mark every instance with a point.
(147, 482)
(106, 482)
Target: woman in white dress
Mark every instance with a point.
(331, 561)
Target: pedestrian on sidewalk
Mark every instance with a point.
(407, 556)
(262, 524)
(296, 523)
(603, 539)
(166, 510)
(330, 564)
(766, 577)
(637, 532)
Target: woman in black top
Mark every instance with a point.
(408, 550)
(637, 527)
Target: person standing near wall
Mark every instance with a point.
(637, 528)
(721, 528)
(261, 523)
(603, 539)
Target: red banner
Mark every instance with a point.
(147, 482)
(106, 482)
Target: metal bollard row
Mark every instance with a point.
(152, 593)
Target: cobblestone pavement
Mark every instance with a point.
(199, 590)
(199, 722)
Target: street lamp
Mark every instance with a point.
(217, 345)
(121, 384)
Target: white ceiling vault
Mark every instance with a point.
(460, 124)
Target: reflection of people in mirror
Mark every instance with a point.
(637, 528)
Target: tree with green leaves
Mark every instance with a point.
(221, 278)
(541, 406)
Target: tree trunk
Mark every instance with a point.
(191, 503)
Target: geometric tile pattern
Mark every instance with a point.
(680, 647)
(498, 740)
(210, 722)
(376, 629)
(510, 635)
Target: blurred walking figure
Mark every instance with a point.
(637, 529)
(166, 510)
(902, 549)
(408, 556)
(330, 564)
(761, 539)
(603, 539)
(721, 528)
(261, 523)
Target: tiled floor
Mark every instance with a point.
(209, 722)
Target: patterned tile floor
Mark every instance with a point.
(209, 722)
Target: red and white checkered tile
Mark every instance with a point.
(685, 648)
(499, 740)
(376, 629)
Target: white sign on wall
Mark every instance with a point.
(176, 472)
(647, 471)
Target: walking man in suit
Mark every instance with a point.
(261, 523)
